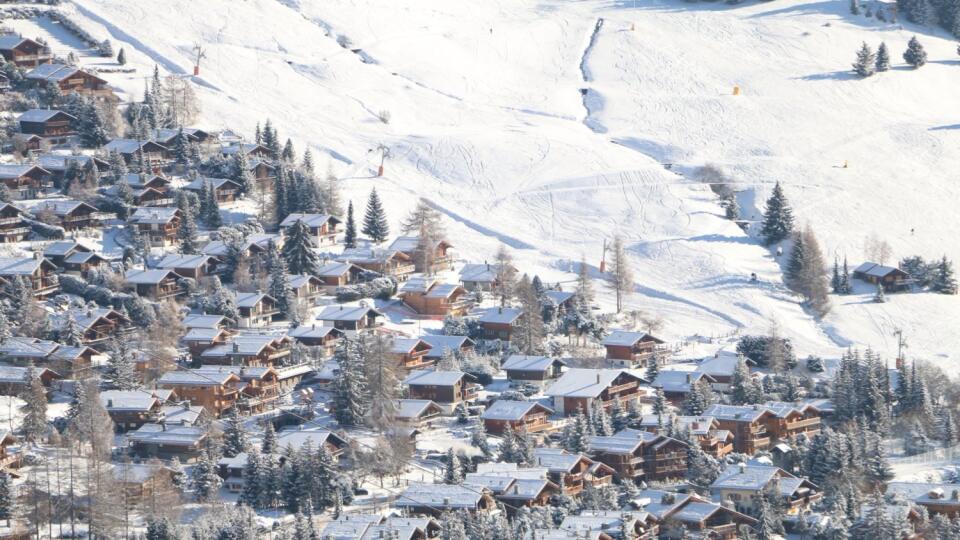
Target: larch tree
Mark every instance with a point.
(505, 278)
(383, 375)
(34, 423)
(621, 275)
(529, 334)
(584, 289)
(777, 217)
(298, 250)
(375, 224)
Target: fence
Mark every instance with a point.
(938, 455)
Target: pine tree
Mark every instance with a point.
(280, 290)
(879, 297)
(793, 273)
(659, 406)
(122, 57)
(350, 385)
(599, 420)
(865, 66)
(854, 7)
(944, 281)
(350, 230)
(530, 332)
(452, 472)
(948, 430)
(846, 286)
(71, 334)
(699, 398)
(479, 440)
(463, 416)
(777, 217)
(618, 417)
(298, 250)
(883, 55)
(34, 423)
(744, 388)
(584, 284)
(241, 174)
(161, 528)
(204, 478)
(234, 436)
(653, 369)
(915, 55)
(269, 445)
(5, 331)
(836, 282)
(6, 498)
(702, 469)
(187, 234)
(375, 224)
(280, 195)
(121, 373)
(210, 212)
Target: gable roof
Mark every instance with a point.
(439, 344)
(625, 441)
(436, 378)
(749, 477)
(413, 408)
(508, 410)
(149, 277)
(175, 260)
(250, 300)
(10, 171)
(877, 270)
(739, 413)
(129, 146)
(346, 313)
(500, 315)
(8, 42)
(586, 382)
(310, 220)
(42, 115)
(204, 321)
(154, 215)
(172, 435)
(677, 381)
(626, 338)
(520, 362)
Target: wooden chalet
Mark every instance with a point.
(410, 353)
(323, 228)
(428, 259)
(69, 79)
(70, 362)
(73, 215)
(168, 136)
(336, 444)
(481, 277)
(259, 387)
(434, 499)
(23, 52)
(937, 498)
(713, 440)
(226, 190)
(155, 155)
(676, 385)
(199, 340)
(313, 335)
(194, 267)
(682, 515)
(498, 323)
(250, 350)
(596, 524)
(24, 181)
(744, 485)
(249, 150)
(305, 288)
(430, 297)
(350, 319)
(52, 126)
(13, 228)
(532, 369)
(144, 485)
(38, 273)
(631, 349)
(440, 345)
(96, 325)
(14, 380)
(84, 262)
(167, 441)
(157, 284)
(749, 424)
(339, 274)
(793, 419)
(60, 164)
(527, 492)
(216, 391)
(7, 458)
(640, 455)
(57, 252)
(147, 190)
(263, 172)
(131, 409)
(256, 309)
(382, 261)
(417, 412)
(157, 226)
(572, 472)
(578, 388)
(519, 415)
(892, 279)
(446, 388)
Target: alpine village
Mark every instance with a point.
(203, 337)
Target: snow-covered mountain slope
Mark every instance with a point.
(546, 126)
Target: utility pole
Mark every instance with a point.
(901, 345)
(200, 55)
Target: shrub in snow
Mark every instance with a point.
(756, 348)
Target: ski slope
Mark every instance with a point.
(546, 125)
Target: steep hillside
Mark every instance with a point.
(546, 126)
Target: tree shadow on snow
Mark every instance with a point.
(842, 75)
(945, 127)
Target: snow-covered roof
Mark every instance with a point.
(193, 377)
(334, 269)
(26, 347)
(171, 435)
(926, 492)
(247, 148)
(62, 207)
(413, 408)
(40, 115)
(558, 297)
(697, 425)
(317, 437)
(204, 321)
(479, 273)
(370, 255)
(148, 277)
(11, 170)
(131, 400)
(500, 315)
(60, 162)
(440, 496)
(526, 488)
(740, 413)
(443, 290)
(310, 220)
(626, 338)
(19, 266)
(312, 331)
(62, 248)
(183, 261)
(52, 72)
(419, 377)
(520, 362)
(723, 365)
(249, 300)
(81, 257)
(585, 382)
(876, 270)
(346, 313)
(557, 459)
(11, 41)
(508, 410)
(153, 215)
(677, 381)
(241, 345)
(216, 183)
(186, 415)
(625, 441)
(748, 477)
(202, 334)
(439, 344)
(299, 280)
(406, 345)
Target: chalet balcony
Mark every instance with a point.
(15, 231)
(401, 269)
(538, 424)
(470, 392)
(167, 291)
(11, 220)
(724, 530)
(622, 388)
(803, 424)
(32, 58)
(157, 202)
